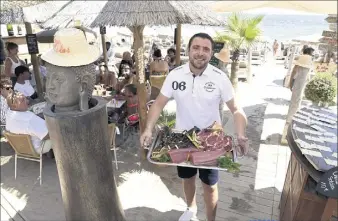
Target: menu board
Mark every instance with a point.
(330, 34)
(217, 48)
(32, 44)
(332, 19)
(328, 184)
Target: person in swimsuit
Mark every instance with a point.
(126, 64)
(158, 66)
(12, 61)
(158, 70)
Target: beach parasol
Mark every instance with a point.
(16, 12)
(135, 15)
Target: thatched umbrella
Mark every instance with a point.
(135, 15)
(16, 12)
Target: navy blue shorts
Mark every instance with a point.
(209, 177)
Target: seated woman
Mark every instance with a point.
(130, 92)
(126, 64)
(108, 77)
(158, 66)
(123, 81)
(158, 70)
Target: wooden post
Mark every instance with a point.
(104, 49)
(36, 67)
(140, 75)
(290, 64)
(178, 45)
(249, 77)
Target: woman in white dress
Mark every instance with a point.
(12, 61)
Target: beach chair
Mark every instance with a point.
(24, 149)
(112, 137)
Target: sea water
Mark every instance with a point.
(280, 27)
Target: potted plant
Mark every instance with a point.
(240, 32)
(322, 89)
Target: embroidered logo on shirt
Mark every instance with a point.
(217, 71)
(209, 86)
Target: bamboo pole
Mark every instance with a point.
(104, 48)
(178, 44)
(249, 77)
(140, 75)
(35, 63)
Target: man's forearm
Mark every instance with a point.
(153, 115)
(240, 122)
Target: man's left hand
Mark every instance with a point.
(243, 145)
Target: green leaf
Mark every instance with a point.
(240, 31)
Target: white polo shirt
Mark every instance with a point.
(27, 122)
(197, 98)
(26, 88)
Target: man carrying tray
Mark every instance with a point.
(198, 89)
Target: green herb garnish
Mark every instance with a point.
(164, 158)
(227, 163)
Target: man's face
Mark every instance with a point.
(26, 75)
(200, 52)
(171, 54)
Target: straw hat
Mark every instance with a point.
(223, 55)
(71, 48)
(304, 61)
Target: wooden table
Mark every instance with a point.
(299, 199)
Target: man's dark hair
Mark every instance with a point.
(157, 53)
(204, 36)
(171, 49)
(20, 70)
(308, 51)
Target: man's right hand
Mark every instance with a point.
(145, 139)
